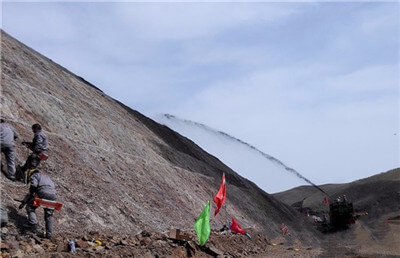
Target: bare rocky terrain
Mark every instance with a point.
(379, 195)
(376, 200)
(117, 171)
(126, 180)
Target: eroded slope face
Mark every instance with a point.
(115, 169)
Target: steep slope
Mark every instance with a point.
(115, 169)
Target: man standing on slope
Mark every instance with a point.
(38, 146)
(7, 137)
(42, 186)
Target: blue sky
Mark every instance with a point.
(315, 84)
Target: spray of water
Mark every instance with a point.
(223, 134)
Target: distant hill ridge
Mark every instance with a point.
(379, 195)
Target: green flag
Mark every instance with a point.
(202, 225)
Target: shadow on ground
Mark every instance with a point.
(17, 219)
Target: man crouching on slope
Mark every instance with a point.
(38, 146)
(42, 186)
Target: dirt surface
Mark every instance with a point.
(146, 244)
(355, 242)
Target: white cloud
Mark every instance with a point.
(180, 21)
(322, 128)
(30, 20)
(371, 80)
(372, 23)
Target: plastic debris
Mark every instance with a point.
(72, 245)
(97, 243)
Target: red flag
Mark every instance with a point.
(220, 197)
(326, 201)
(235, 227)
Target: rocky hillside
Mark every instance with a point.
(115, 169)
(378, 195)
